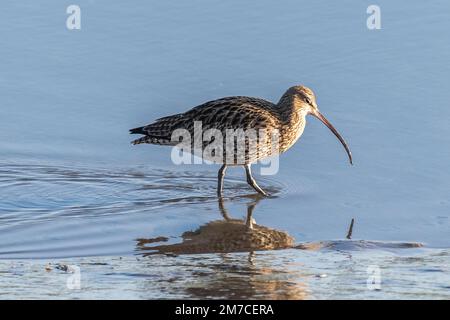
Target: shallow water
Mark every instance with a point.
(282, 274)
(73, 190)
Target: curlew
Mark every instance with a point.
(277, 127)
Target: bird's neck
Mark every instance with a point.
(293, 120)
(290, 110)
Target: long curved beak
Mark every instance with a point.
(320, 116)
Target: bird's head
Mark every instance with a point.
(304, 100)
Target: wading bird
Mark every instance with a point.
(282, 124)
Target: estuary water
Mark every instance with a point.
(73, 191)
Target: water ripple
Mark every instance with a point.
(59, 207)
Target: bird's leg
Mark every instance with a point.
(249, 221)
(223, 210)
(220, 177)
(250, 207)
(251, 181)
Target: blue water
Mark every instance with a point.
(73, 186)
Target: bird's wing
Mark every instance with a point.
(232, 113)
(226, 113)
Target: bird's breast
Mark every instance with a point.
(291, 132)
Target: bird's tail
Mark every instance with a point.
(139, 130)
(154, 140)
(159, 132)
(144, 139)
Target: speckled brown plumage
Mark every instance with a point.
(277, 127)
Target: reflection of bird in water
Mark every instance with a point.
(238, 235)
(229, 276)
(276, 127)
(228, 235)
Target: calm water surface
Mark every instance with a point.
(74, 191)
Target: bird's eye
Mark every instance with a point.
(308, 101)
